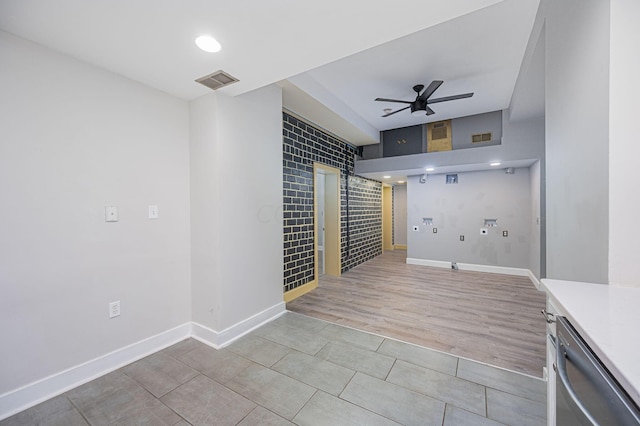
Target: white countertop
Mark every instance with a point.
(608, 319)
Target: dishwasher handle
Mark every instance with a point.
(572, 397)
(548, 317)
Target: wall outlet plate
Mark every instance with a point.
(114, 309)
(110, 213)
(435, 230)
(505, 233)
(461, 237)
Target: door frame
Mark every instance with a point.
(332, 250)
(387, 217)
(332, 258)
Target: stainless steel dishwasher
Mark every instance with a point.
(586, 393)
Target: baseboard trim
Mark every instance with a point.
(299, 291)
(220, 339)
(427, 262)
(505, 270)
(34, 393)
(535, 281)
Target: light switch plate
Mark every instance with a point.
(110, 213)
(153, 212)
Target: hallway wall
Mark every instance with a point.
(239, 224)
(361, 234)
(71, 143)
(460, 209)
(400, 214)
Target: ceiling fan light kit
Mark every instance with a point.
(422, 101)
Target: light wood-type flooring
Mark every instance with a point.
(491, 318)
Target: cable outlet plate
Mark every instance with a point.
(114, 309)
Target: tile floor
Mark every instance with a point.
(304, 371)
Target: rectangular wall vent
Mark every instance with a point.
(439, 131)
(481, 137)
(216, 80)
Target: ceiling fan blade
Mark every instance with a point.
(450, 98)
(430, 89)
(393, 100)
(401, 109)
(429, 111)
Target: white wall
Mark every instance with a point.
(520, 141)
(400, 214)
(74, 139)
(535, 245)
(577, 139)
(624, 150)
(237, 181)
(460, 209)
(204, 182)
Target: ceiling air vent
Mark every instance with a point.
(216, 80)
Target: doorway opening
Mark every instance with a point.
(326, 227)
(326, 219)
(387, 218)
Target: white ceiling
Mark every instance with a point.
(480, 52)
(337, 55)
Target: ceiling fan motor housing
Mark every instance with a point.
(422, 101)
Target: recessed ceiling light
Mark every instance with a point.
(429, 169)
(208, 44)
(400, 181)
(386, 177)
(495, 164)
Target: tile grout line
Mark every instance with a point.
(77, 409)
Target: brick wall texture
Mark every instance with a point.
(360, 208)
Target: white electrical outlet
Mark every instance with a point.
(114, 309)
(110, 213)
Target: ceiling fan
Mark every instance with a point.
(422, 100)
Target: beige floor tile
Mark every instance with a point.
(315, 372)
(159, 373)
(117, 399)
(260, 416)
(515, 410)
(327, 410)
(202, 401)
(394, 402)
(57, 411)
(420, 356)
(452, 390)
(504, 380)
(258, 349)
(274, 391)
(355, 358)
